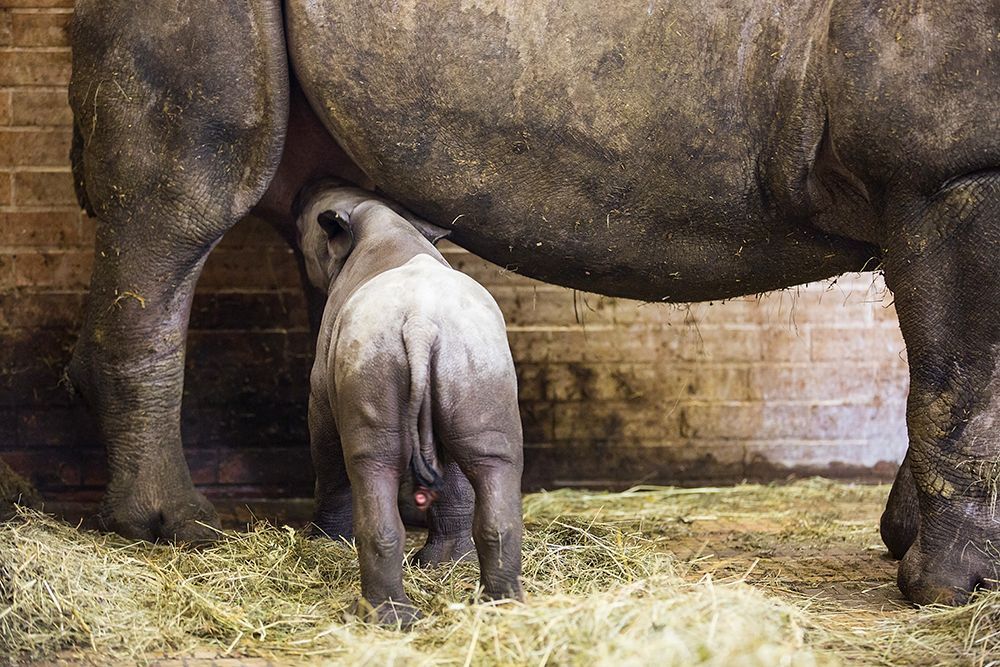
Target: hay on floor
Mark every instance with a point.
(609, 579)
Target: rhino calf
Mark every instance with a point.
(412, 367)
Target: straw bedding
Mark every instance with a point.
(747, 575)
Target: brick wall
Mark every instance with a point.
(612, 391)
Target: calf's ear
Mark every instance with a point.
(432, 233)
(340, 236)
(333, 223)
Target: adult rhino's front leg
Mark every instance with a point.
(179, 114)
(943, 265)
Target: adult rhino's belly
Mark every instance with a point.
(602, 147)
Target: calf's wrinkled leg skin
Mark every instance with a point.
(901, 517)
(944, 268)
(485, 439)
(333, 515)
(180, 111)
(374, 463)
(449, 522)
(493, 465)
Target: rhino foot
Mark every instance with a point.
(940, 569)
(901, 518)
(187, 517)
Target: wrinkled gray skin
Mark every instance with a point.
(655, 150)
(411, 355)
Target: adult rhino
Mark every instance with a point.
(657, 150)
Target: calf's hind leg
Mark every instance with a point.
(449, 521)
(374, 464)
(179, 114)
(493, 463)
(333, 513)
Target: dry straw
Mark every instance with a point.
(601, 589)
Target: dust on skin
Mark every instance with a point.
(627, 103)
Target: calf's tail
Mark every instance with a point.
(419, 337)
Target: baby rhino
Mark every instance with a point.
(412, 370)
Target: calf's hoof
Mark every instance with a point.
(445, 550)
(389, 613)
(947, 576)
(187, 517)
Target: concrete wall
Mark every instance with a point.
(613, 392)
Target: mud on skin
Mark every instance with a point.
(635, 150)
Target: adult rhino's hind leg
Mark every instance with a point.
(943, 265)
(179, 111)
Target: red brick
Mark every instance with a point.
(617, 421)
(820, 453)
(41, 29)
(252, 232)
(6, 27)
(45, 426)
(31, 367)
(40, 107)
(47, 468)
(271, 467)
(845, 382)
(6, 188)
(203, 464)
(783, 344)
(44, 188)
(546, 305)
(250, 310)
(532, 381)
(7, 278)
(716, 344)
(709, 382)
(749, 421)
(538, 421)
(486, 273)
(63, 270)
(34, 148)
(262, 268)
(35, 4)
(601, 382)
(41, 310)
(87, 229)
(34, 68)
(6, 113)
(39, 228)
(856, 343)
